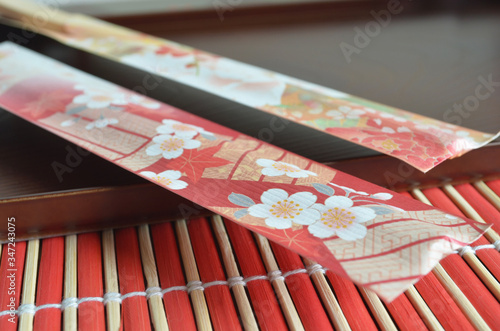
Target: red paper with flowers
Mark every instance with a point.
(377, 238)
(420, 141)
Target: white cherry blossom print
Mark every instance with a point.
(144, 102)
(403, 129)
(278, 168)
(432, 127)
(247, 84)
(244, 83)
(397, 118)
(101, 123)
(339, 217)
(103, 96)
(95, 99)
(171, 147)
(281, 210)
(168, 178)
(345, 112)
(164, 64)
(237, 81)
(180, 129)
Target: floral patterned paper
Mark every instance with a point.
(379, 239)
(420, 141)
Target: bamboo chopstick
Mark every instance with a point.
(111, 279)
(198, 298)
(488, 193)
(467, 308)
(70, 282)
(423, 309)
(149, 267)
(291, 315)
(242, 301)
(378, 310)
(29, 283)
(459, 200)
(328, 298)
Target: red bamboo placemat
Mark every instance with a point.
(215, 274)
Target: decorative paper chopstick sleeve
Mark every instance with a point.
(418, 140)
(377, 238)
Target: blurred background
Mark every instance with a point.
(423, 56)
(134, 7)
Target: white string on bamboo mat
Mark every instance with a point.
(151, 291)
(474, 249)
(198, 285)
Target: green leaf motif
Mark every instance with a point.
(324, 123)
(349, 123)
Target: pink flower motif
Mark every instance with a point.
(417, 148)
